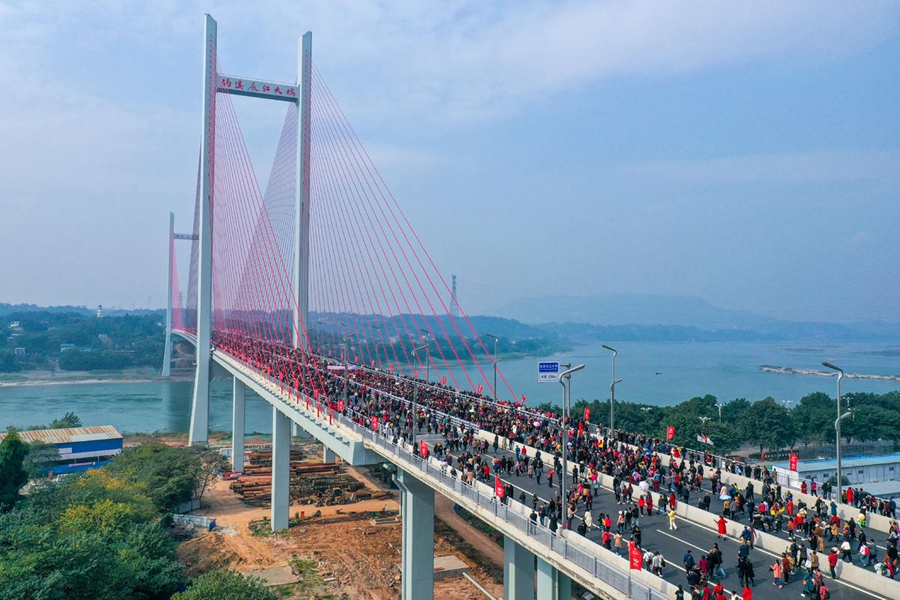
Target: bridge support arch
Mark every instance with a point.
(238, 417)
(417, 510)
(518, 571)
(552, 584)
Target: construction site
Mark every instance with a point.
(344, 536)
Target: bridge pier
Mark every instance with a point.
(281, 470)
(518, 571)
(327, 455)
(238, 415)
(552, 584)
(417, 509)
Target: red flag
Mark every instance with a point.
(670, 433)
(417, 373)
(793, 462)
(523, 399)
(479, 388)
(587, 414)
(375, 423)
(392, 368)
(373, 364)
(340, 406)
(581, 429)
(444, 380)
(636, 558)
(498, 487)
(423, 449)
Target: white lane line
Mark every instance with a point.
(770, 553)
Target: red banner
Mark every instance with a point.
(375, 423)
(373, 364)
(635, 557)
(523, 399)
(330, 414)
(794, 459)
(479, 388)
(340, 406)
(670, 433)
(423, 449)
(580, 429)
(587, 414)
(444, 380)
(498, 487)
(417, 373)
(392, 368)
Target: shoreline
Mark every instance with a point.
(790, 371)
(51, 382)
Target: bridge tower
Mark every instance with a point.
(298, 94)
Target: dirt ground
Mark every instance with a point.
(344, 544)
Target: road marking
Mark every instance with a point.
(770, 553)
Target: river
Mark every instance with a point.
(659, 373)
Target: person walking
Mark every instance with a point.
(776, 569)
(832, 562)
(722, 530)
(671, 515)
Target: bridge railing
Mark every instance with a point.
(619, 579)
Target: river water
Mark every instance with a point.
(660, 373)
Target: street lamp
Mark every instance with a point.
(837, 425)
(720, 406)
(346, 348)
(494, 360)
(416, 396)
(612, 393)
(427, 355)
(567, 399)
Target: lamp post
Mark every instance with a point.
(346, 348)
(494, 360)
(837, 425)
(567, 399)
(427, 355)
(612, 394)
(416, 396)
(720, 406)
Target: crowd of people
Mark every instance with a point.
(401, 407)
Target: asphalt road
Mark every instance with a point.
(673, 545)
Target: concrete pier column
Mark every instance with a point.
(417, 508)
(238, 414)
(551, 583)
(518, 571)
(281, 470)
(327, 454)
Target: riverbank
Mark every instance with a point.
(32, 378)
(818, 373)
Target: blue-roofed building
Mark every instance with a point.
(859, 470)
(80, 448)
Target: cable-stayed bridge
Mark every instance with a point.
(317, 294)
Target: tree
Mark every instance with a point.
(212, 464)
(12, 470)
(40, 457)
(769, 425)
(225, 585)
(68, 420)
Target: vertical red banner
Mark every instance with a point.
(423, 449)
(498, 487)
(794, 459)
(670, 433)
(587, 414)
(375, 423)
(635, 557)
(340, 406)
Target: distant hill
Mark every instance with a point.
(8, 309)
(670, 314)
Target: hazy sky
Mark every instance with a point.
(747, 153)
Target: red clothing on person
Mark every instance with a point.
(748, 594)
(722, 523)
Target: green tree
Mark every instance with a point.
(68, 420)
(225, 585)
(769, 425)
(40, 457)
(12, 470)
(813, 419)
